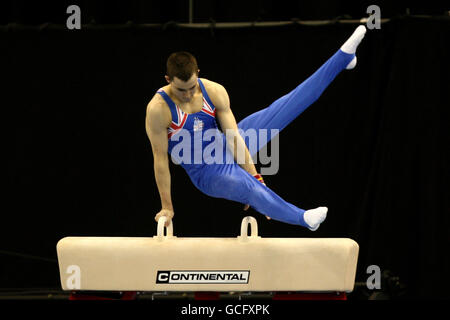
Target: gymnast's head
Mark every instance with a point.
(182, 74)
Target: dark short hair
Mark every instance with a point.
(181, 65)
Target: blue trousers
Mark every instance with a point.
(230, 181)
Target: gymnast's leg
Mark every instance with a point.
(230, 181)
(284, 110)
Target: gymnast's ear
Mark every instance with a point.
(167, 78)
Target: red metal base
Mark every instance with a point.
(206, 295)
(282, 296)
(125, 295)
(310, 296)
(131, 295)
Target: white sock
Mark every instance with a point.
(315, 217)
(352, 43)
(352, 64)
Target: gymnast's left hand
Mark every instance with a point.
(260, 179)
(166, 213)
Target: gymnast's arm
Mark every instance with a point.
(156, 123)
(229, 127)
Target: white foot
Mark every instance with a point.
(352, 64)
(352, 43)
(315, 217)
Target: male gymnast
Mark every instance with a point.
(191, 104)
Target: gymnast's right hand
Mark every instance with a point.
(167, 213)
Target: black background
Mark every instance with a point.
(373, 148)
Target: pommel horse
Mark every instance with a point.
(312, 268)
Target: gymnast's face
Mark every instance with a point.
(183, 90)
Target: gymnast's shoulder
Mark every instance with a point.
(216, 92)
(212, 86)
(157, 107)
